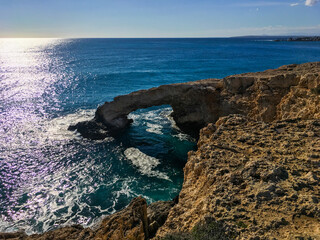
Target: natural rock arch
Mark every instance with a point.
(184, 99)
(192, 104)
(265, 96)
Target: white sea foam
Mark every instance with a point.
(155, 119)
(183, 137)
(47, 196)
(144, 163)
(57, 128)
(34, 132)
(154, 128)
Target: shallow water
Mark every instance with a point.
(50, 176)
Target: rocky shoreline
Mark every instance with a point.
(256, 170)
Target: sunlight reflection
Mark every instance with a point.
(22, 67)
(26, 79)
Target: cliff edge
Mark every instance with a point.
(255, 175)
(261, 179)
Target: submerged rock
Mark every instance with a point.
(91, 129)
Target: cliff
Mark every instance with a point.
(260, 178)
(255, 174)
(283, 93)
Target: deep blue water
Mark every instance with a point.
(50, 176)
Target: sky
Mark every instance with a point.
(157, 18)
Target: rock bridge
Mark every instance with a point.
(188, 102)
(265, 96)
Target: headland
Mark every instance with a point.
(255, 174)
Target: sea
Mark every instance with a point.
(52, 177)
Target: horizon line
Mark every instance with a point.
(241, 36)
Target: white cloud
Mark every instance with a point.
(294, 4)
(311, 2)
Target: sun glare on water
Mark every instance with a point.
(31, 75)
(50, 176)
(27, 86)
(22, 66)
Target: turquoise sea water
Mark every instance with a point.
(50, 176)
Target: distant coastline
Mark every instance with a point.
(281, 38)
(299, 39)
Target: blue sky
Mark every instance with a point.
(157, 18)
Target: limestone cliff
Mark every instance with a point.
(283, 93)
(261, 178)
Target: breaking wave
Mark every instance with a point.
(144, 163)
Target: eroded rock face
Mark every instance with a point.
(157, 215)
(283, 93)
(262, 178)
(130, 223)
(136, 222)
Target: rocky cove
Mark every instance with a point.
(256, 169)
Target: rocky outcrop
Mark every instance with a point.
(282, 93)
(184, 99)
(261, 178)
(130, 223)
(136, 222)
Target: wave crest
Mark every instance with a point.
(144, 163)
